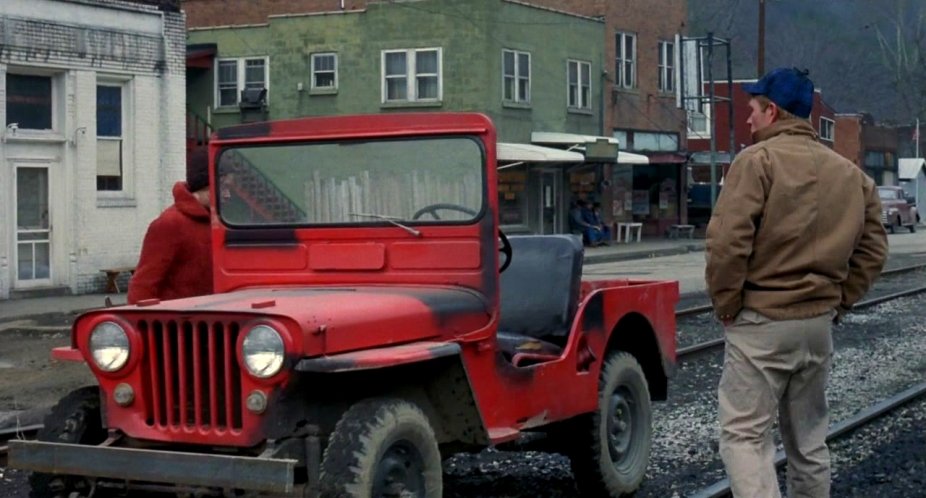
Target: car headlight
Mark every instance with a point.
(109, 346)
(263, 351)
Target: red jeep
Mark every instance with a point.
(370, 319)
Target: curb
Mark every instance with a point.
(591, 259)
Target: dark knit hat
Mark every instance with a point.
(197, 169)
(789, 88)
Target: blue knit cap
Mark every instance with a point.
(789, 88)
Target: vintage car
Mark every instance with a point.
(897, 209)
(369, 320)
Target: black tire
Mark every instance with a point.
(74, 420)
(382, 448)
(611, 448)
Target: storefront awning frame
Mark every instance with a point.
(578, 141)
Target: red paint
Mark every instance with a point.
(371, 296)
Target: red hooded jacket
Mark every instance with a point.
(176, 256)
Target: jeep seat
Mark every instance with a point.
(539, 293)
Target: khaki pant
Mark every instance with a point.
(774, 366)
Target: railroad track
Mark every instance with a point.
(694, 349)
(874, 412)
(23, 432)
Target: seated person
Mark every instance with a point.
(580, 223)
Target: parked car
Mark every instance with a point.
(897, 209)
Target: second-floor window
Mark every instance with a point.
(666, 66)
(412, 75)
(579, 76)
(516, 76)
(827, 129)
(109, 131)
(29, 101)
(626, 63)
(325, 71)
(235, 75)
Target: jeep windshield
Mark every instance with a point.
(396, 182)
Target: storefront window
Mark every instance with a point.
(512, 195)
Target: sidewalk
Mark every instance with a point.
(645, 249)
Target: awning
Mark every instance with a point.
(667, 158)
(578, 142)
(535, 154)
(200, 55)
(909, 167)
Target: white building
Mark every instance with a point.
(912, 174)
(93, 136)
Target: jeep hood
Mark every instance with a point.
(338, 319)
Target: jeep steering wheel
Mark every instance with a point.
(432, 210)
(504, 249)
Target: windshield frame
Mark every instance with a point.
(362, 222)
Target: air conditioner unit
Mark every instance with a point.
(253, 98)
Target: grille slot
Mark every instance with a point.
(193, 377)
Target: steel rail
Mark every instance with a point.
(714, 343)
(697, 310)
(874, 412)
(22, 432)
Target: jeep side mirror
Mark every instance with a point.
(910, 200)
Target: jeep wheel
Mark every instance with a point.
(74, 420)
(612, 447)
(382, 448)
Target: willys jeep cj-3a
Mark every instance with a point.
(369, 319)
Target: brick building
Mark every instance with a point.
(823, 118)
(871, 146)
(93, 136)
(641, 51)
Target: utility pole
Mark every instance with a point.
(760, 58)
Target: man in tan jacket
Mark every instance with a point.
(794, 241)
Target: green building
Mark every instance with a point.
(535, 71)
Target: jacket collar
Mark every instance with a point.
(187, 204)
(786, 127)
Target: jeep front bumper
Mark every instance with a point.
(156, 466)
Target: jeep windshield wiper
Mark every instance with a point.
(389, 219)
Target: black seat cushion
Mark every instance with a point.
(540, 289)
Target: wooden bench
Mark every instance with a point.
(677, 231)
(112, 274)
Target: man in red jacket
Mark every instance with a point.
(176, 256)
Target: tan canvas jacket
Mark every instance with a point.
(796, 231)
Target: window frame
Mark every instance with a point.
(240, 78)
(666, 76)
(516, 77)
(315, 72)
(125, 194)
(621, 63)
(56, 93)
(411, 76)
(831, 137)
(583, 100)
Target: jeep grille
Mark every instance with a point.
(192, 374)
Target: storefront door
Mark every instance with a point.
(33, 228)
(550, 194)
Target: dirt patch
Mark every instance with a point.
(30, 381)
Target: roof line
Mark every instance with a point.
(550, 9)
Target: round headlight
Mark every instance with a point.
(263, 351)
(109, 346)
